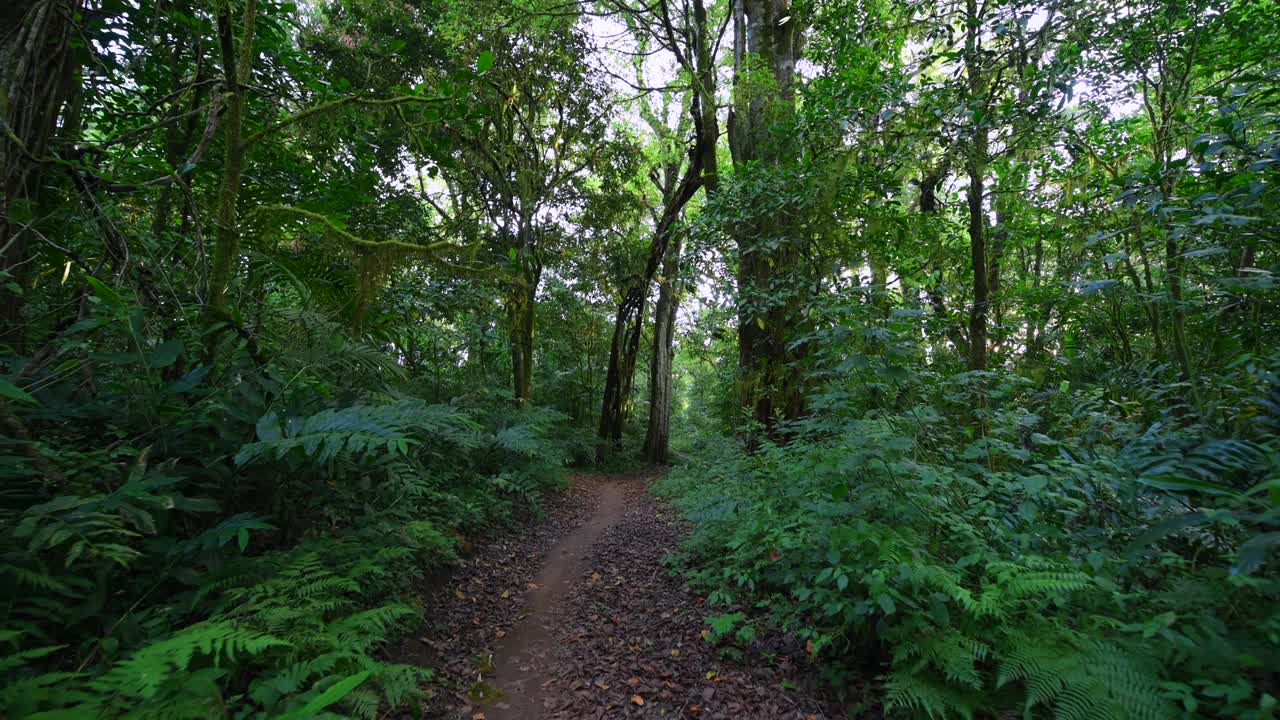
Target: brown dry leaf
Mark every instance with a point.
(461, 595)
(636, 699)
(501, 633)
(633, 681)
(506, 594)
(533, 585)
(477, 716)
(675, 652)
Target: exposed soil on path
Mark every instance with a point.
(521, 663)
(579, 617)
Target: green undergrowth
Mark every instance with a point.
(245, 548)
(983, 546)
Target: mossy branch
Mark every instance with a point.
(333, 105)
(359, 242)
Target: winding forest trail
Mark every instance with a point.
(520, 662)
(578, 616)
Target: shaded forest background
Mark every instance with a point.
(957, 319)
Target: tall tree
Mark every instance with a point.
(767, 42)
(524, 167)
(685, 31)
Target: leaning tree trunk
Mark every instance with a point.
(625, 347)
(37, 77)
(699, 60)
(623, 351)
(677, 189)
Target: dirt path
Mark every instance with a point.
(579, 617)
(520, 663)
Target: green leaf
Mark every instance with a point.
(484, 62)
(1253, 554)
(268, 428)
(1188, 485)
(336, 692)
(886, 603)
(109, 296)
(13, 392)
(165, 354)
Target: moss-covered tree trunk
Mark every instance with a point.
(623, 351)
(37, 74)
(771, 286)
(698, 59)
(522, 298)
(237, 63)
(628, 323)
(520, 318)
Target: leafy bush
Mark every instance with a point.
(993, 545)
(241, 547)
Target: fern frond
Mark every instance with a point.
(147, 670)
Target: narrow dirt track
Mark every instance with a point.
(579, 617)
(520, 662)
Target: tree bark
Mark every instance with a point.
(623, 350)
(236, 68)
(976, 167)
(699, 61)
(767, 43)
(625, 347)
(520, 318)
(522, 306)
(37, 74)
(657, 439)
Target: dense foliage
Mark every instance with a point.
(960, 317)
(1048, 485)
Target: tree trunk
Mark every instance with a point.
(767, 42)
(236, 69)
(661, 384)
(625, 347)
(520, 318)
(700, 61)
(623, 351)
(976, 166)
(37, 74)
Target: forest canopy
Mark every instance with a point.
(957, 322)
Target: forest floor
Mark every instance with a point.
(579, 616)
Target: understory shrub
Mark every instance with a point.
(986, 545)
(241, 548)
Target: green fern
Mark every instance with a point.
(934, 698)
(358, 430)
(146, 671)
